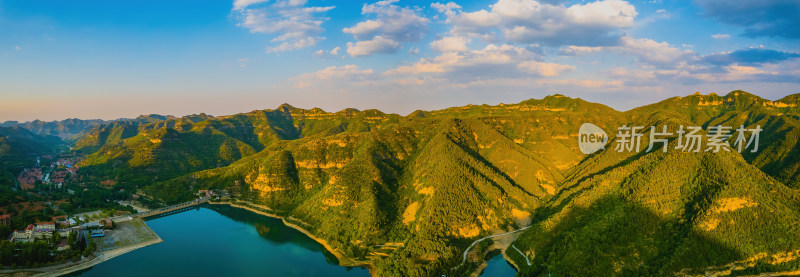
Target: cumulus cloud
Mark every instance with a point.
(759, 18)
(295, 25)
(721, 36)
(377, 45)
(390, 25)
(450, 44)
(597, 23)
(609, 13)
(752, 56)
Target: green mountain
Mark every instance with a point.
(141, 151)
(64, 129)
(19, 148)
(407, 195)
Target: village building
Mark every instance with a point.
(44, 230)
(5, 220)
(20, 236)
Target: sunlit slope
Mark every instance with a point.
(433, 181)
(661, 213)
(778, 153)
(409, 194)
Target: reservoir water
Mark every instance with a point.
(497, 266)
(218, 240)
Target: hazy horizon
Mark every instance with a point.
(405, 113)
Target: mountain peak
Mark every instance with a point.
(559, 101)
(285, 107)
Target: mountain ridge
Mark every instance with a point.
(434, 181)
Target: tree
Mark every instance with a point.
(56, 238)
(72, 238)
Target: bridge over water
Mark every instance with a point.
(172, 209)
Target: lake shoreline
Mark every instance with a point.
(99, 257)
(341, 258)
(348, 262)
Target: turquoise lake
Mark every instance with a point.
(224, 241)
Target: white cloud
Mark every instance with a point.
(492, 62)
(648, 50)
(17, 48)
(293, 43)
(644, 50)
(573, 50)
(597, 23)
(450, 44)
(368, 27)
(377, 45)
(544, 69)
(721, 36)
(610, 13)
(334, 72)
(328, 54)
(445, 8)
(349, 74)
(391, 21)
(292, 3)
(390, 26)
(295, 25)
(241, 4)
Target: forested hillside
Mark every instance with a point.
(408, 194)
(19, 148)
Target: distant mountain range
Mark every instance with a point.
(432, 182)
(70, 129)
(19, 148)
(64, 129)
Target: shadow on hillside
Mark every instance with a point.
(615, 236)
(272, 229)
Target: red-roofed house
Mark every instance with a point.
(29, 230)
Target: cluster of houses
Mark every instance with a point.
(29, 176)
(62, 225)
(38, 231)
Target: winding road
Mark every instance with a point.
(523, 254)
(464, 255)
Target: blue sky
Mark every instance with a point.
(111, 59)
